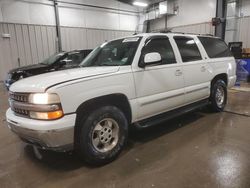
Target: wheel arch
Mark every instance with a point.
(118, 100)
(222, 76)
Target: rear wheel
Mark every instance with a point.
(102, 135)
(218, 97)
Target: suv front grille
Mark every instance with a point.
(21, 112)
(19, 97)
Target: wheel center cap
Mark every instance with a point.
(105, 135)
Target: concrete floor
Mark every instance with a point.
(199, 149)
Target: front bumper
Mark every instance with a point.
(55, 135)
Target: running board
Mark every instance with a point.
(170, 114)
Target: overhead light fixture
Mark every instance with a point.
(140, 4)
(163, 7)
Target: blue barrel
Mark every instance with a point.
(247, 68)
(242, 72)
(247, 65)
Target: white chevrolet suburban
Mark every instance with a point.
(139, 81)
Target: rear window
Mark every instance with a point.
(215, 47)
(188, 49)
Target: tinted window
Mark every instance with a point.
(163, 47)
(74, 58)
(54, 58)
(215, 47)
(188, 49)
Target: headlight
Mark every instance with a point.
(44, 98)
(41, 101)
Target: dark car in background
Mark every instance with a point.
(58, 61)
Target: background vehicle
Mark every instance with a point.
(58, 61)
(139, 81)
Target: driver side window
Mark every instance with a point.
(161, 46)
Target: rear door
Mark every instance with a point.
(196, 71)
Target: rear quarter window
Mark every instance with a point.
(215, 47)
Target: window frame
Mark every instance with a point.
(141, 59)
(217, 39)
(197, 45)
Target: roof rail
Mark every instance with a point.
(169, 31)
(161, 31)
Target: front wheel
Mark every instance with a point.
(218, 97)
(102, 135)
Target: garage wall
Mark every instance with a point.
(157, 24)
(193, 16)
(193, 12)
(245, 7)
(243, 31)
(27, 44)
(88, 38)
(97, 18)
(238, 23)
(41, 12)
(244, 23)
(200, 28)
(31, 25)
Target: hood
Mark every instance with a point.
(41, 82)
(27, 68)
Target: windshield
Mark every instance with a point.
(52, 59)
(115, 53)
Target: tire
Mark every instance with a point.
(218, 97)
(102, 135)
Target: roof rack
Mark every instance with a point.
(169, 31)
(161, 31)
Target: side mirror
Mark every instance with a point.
(151, 59)
(58, 65)
(62, 63)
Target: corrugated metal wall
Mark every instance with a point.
(86, 38)
(30, 44)
(244, 30)
(27, 44)
(200, 28)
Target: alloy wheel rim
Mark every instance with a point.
(105, 135)
(220, 96)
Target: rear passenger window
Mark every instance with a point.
(163, 47)
(215, 47)
(188, 49)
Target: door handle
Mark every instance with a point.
(203, 69)
(178, 73)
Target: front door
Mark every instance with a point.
(159, 88)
